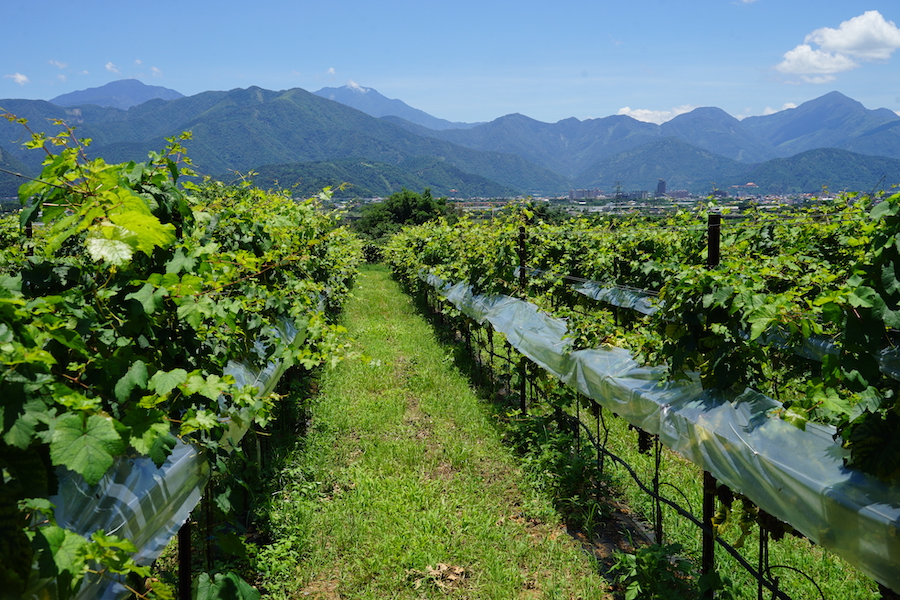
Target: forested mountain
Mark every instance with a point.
(832, 168)
(295, 136)
(682, 166)
(831, 121)
(570, 146)
(9, 183)
(715, 130)
(369, 179)
(686, 167)
(243, 129)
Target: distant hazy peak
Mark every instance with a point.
(121, 94)
(371, 102)
(358, 88)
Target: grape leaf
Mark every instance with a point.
(150, 434)
(164, 382)
(227, 586)
(64, 547)
(149, 232)
(85, 445)
(150, 297)
(136, 377)
(115, 252)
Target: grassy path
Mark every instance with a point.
(403, 488)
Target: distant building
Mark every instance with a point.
(679, 194)
(661, 188)
(585, 194)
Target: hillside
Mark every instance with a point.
(715, 130)
(566, 147)
(9, 183)
(682, 166)
(830, 121)
(832, 168)
(370, 179)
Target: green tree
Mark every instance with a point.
(405, 207)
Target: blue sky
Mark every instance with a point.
(471, 60)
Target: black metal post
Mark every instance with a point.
(523, 383)
(708, 546)
(714, 239)
(523, 238)
(184, 561)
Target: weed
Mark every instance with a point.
(658, 572)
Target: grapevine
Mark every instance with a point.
(788, 283)
(126, 291)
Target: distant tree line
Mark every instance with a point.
(380, 220)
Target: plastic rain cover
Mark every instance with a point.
(143, 503)
(796, 475)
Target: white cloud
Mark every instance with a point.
(772, 111)
(155, 72)
(655, 116)
(18, 78)
(112, 68)
(330, 71)
(58, 64)
(138, 62)
(804, 60)
(868, 37)
(61, 77)
(356, 87)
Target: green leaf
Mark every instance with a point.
(65, 549)
(180, 262)
(150, 434)
(136, 377)
(224, 586)
(115, 252)
(760, 319)
(30, 212)
(199, 420)
(150, 297)
(863, 297)
(148, 231)
(796, 417)
(85, 445)
(164, 382)
(832, 402)
(193, 310)
(210, 387)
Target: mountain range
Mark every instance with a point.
(294, 138)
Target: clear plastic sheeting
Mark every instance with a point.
(796, 475)
(134, 500)
(617, 296)
(147, 504)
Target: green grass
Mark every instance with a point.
(403, 489)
